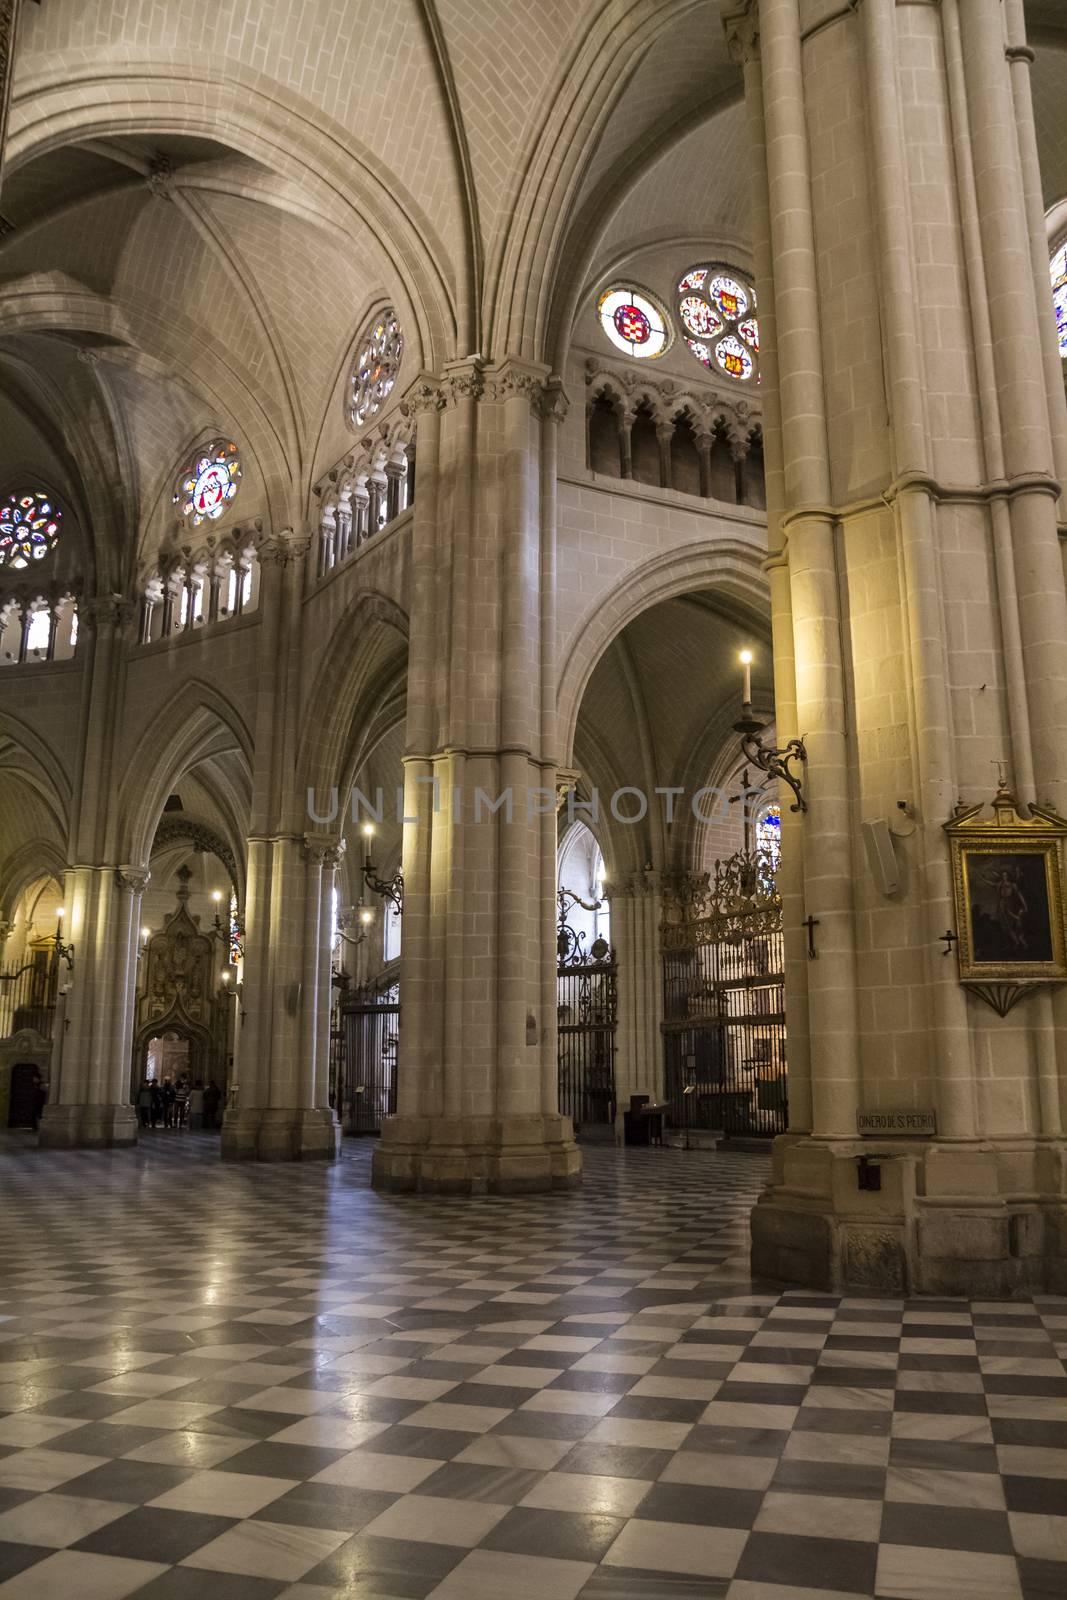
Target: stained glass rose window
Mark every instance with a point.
(375, 369)
(29, 527)
(209, 483)
(717, 311)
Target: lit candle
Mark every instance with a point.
(144, 935)
(746, 677)
(368, 834)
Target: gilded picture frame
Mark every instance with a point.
(1008, 884)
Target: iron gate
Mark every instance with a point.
(724, 1001)
(28, 995)
(587, 1003)
(371, 1025)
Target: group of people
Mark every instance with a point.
(179, 1104)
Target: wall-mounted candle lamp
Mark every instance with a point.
(394, 889)
(773, 760)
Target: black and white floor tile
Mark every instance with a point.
(239, 1383)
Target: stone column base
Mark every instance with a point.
(285, 1135)
(87, 1127)
(477, 1155)
(982, 1218)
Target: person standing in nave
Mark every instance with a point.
(196, 1107)
(144, 1102)
(170, 1097)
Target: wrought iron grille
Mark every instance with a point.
(724, 1000)
(587, 1004)
(28, 995)
(371, 1022)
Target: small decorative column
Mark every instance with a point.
(377, 484)
(327, 536)
(214, 583)
(395, 473)
(664, 435)
(705, 438)
(344, 525)
(172, 588)
(627, 416)
(360, 509)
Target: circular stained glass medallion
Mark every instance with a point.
(209, 483)
(717, 304)
(730, 298)
(633, 322)
(699, 317)
(733, 358)
(375, 369)
(29, 528)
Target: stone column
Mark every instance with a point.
(279, 1116)
(90, 1089)
(90, 1104)
(479, 861)
(920, 622)
(636, 914)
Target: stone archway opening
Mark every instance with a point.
(659, 789)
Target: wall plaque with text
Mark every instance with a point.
(923, 1123)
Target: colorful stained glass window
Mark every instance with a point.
(375, 369)
(633, 322)
(717, 311)
(209, 483)
(733, 358)
(235, 951)
(693, 280)
(1058, 270)
(29, 527)
(698, 317)
(730, 298)
(769, 834)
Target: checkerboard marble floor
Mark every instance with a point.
(238, 1383)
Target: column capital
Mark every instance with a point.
(106, 611)
(326, 850)
(566, 783)
(284, 548)
(135, 879)
(514, 377)
(463, 380)
(553, 403)
(426, 394)
(742, 33)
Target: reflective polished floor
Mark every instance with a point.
(239, 1383)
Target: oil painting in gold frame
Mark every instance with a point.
(1008, 883)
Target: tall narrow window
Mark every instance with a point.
(1058, 271)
